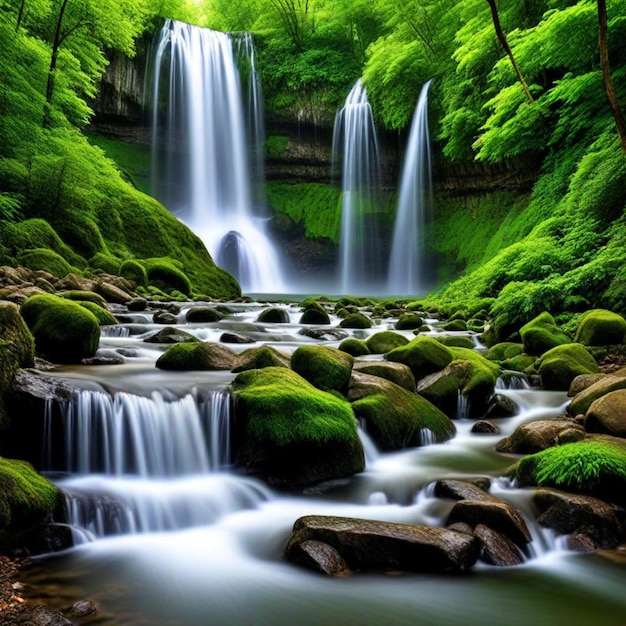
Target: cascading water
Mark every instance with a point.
(408, 268)
(201, 163)
(355, 145)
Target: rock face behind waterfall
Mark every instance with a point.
(367, 545)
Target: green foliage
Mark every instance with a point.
(592, 467)
(84, 296)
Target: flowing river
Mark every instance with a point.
(168, 534)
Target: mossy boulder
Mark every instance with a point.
(354, 347)
(591, 467)
(409, 321)
(582, 401)
(27, 502)
(356, 321)
(394, 417)
(13, 329)
(101, 314)
(64, 331)
(84, 296)
(600, 327)
(559, 366)
(259, 358)
(44, 259)
(385, 341)
(395, 372)
(541, 334)
(314, 313)
(424, 355)
(290, 433)
(166, 274)
(197, 355)
(273, 315)
(455, 326)
(203, 314)
(326, 368)
(105, 262)
(456, 341)
(134, 271)
(519, 363)
(504, 350)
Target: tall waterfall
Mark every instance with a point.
(201, 158)
(408, 267)
(355, 144)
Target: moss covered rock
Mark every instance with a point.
(455, 326)
(314, 313)
(134, 271)
(197, 356)
(582, 401)
(395, 372)
(64, 331)
(291, 433)
(325, 368)
(396, 418)
(259, 358)
(354, 347)
(203, 314)
(385, 341)
(274, 315)
(559, 366)
(456, 341)
(27, 502)
(356, 321)
(424, 355)
(541, 334)
(101, 314)
(409, 321)
(593, 467)
(13, 329)
(105, 262)
(44, 259)
(600, 328)
(166, 274)
(504, 350)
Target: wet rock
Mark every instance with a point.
(581, 542)
(239, 338)
(18, 294)
(29, 384)
(137, 304)
(501, 406)
(273, 315)
(462, 490)
(171, 335)
(607, 414)
(104, 357)
(395, 372)
(569, 513)
(164, 317)
(559, 366)
(112, 293)
(44, 616)
(198, 356)
(84, 608)
(357, 321)
(496, 549)
(318, 556)
(372, 545)
(324, 334)
(258, 358)
(494, 513)
(73, 282)
(203, 314)
(583, 400)
(315, 315)
(582, 382)
(485, 427)
(538, 435)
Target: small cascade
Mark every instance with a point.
(462, 407)
(127, 434)
(370, 450)
(355, 146)
(201, 162)
(408, 267)
(111, 331)
(512, 380)
(427, 437)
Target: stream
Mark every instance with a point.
(168, 534)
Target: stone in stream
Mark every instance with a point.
(320, 557)
(43, 616)
(273, 315)
(607, 414)
(538, 435)
(368, 545)
(171, 335)
(496, 548)
(233, 337)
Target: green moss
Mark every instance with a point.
(292, 433)
(84, 296)
(314, 313)
(456, 341)
(409, 321)
(44, 259)
(519, 363)
(356, 321)
(101, 314)
(105, 262)
(259, 358)
(424, 355)
(27, 501)
(325, 368)
(197, 356)
(385, 341)
(558, 367)
(64, 331)
(600, 328)
(203, 314)
(354, 347)
(591, 467)
(484, 373)
(13, 329)
(455, 326)
(134, 271)
(164, 274)
(541, 334)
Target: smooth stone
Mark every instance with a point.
(318, 556)
(496, 548)
(538, 435)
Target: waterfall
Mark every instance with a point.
(126, 434)
(408, 267)
(201, 159)
(354, 138)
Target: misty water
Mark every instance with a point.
(168, 533)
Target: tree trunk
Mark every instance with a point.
(606, 73)
(53, 64)
(507, 48)
(20, 16)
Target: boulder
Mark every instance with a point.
(576, 514)
(456, 341)
(541, 434)
(324, 334)
(497, 549)
(409, 321)
(171, 335)
(315, 313)
(203, 314)
(607, 414)
(64, 331)
(485, 427)
(197, 355)
(258, 358)
(13, 330)
(164, 317)
(424, 355)
(455, 326)
(113, 293)
(326, 368)
(385, 341)
(354, 347)
(584, 399)
(44, 616)
(461, 490)
(101, 314)
(137, 304)
(290, 433)
(356, 321)
(501, 406)
(367, 545)
(582, 382)
(600, 327)
(559, 366)
(273, 315)
(319, 557)
(238, 338)
(542, 334)
(395, 417)
(395, 372)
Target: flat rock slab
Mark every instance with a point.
(496, 549)
(383, 546)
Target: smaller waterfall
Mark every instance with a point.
(355, 145)
(408, 271)
(133, 435)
